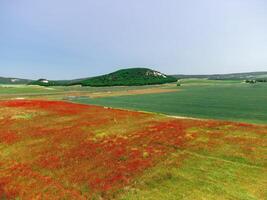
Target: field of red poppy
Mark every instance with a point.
(62, 150)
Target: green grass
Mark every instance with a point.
(226, 100)
(222, 171)
(106, 89)
(39, 90)
(22, 89)
(206, 81)
(205, 171)
(198, 177)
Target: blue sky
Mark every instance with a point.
(62, 39)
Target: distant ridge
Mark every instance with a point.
(231, 76)
(4, 80)
(46, 82)
(134, 76)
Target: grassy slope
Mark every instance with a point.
(227, 100)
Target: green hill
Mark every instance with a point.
(124, 77)
(129, 77)
(45, 82)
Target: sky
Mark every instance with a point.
(64, 39)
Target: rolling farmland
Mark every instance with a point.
(61, 150)
(225, 100)
(51, 148)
